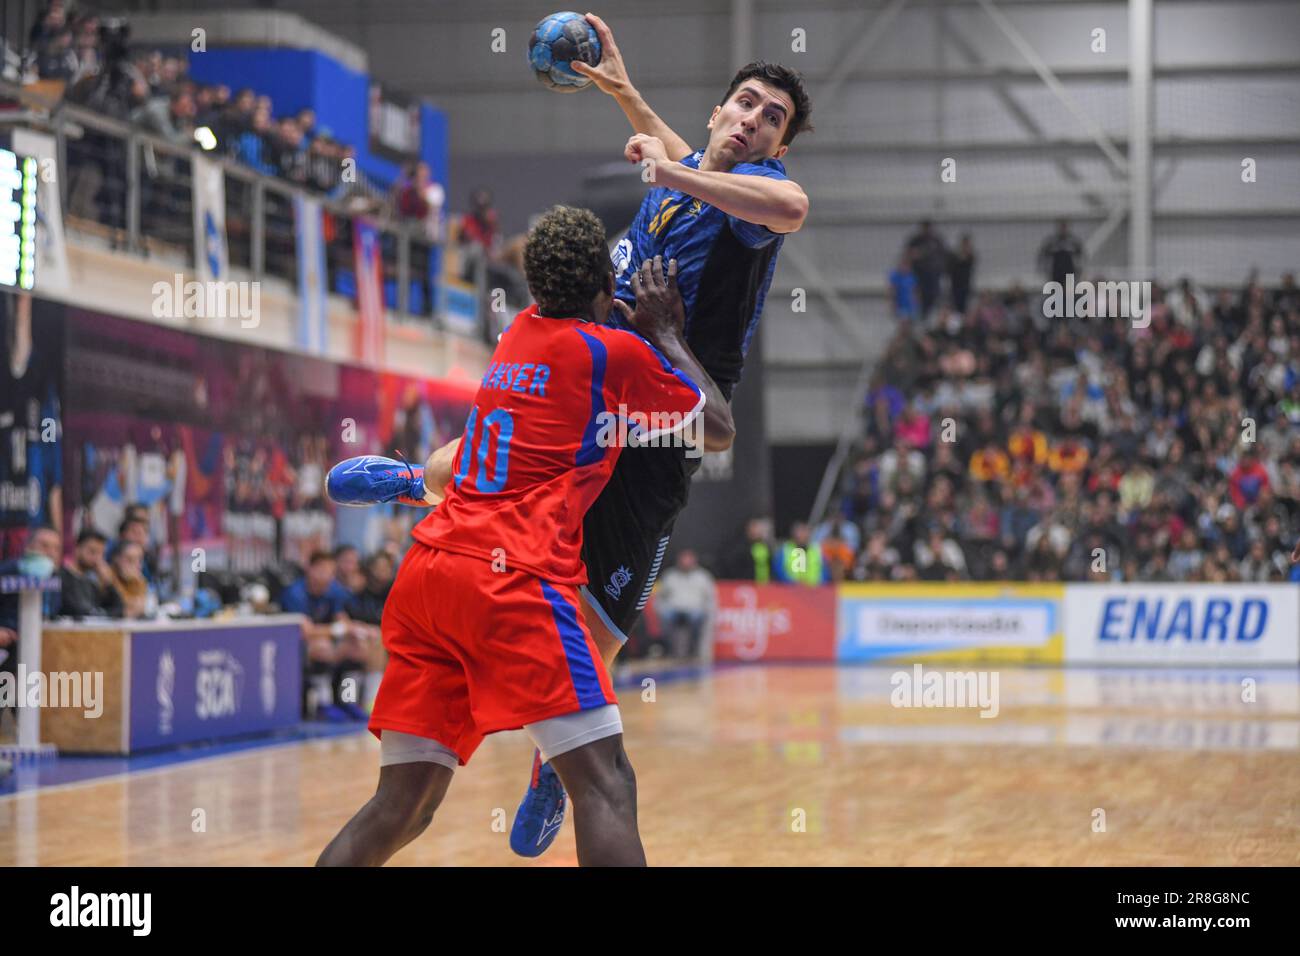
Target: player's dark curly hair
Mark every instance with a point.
(787, 81)
(566, 261)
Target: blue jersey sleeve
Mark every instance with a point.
(751, 234)
(293, 600)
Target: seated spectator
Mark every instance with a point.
(366, 611)
(87, 581)
(135, 530)
(40, 560)
(685, 598)
(1248, 478)
(939, 558)
(990, 463)
(333, 654)
(138, 599)
(347, 569)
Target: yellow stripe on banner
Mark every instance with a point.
(940, 590)
(1053, 652)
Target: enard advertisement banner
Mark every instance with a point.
(1182, 624)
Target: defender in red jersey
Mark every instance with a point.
(483, 625)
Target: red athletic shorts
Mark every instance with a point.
(472, 651)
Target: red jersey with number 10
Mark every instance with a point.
(543, 436)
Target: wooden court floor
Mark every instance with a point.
(775, 765)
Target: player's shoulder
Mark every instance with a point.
(770, 167)
(620, 344)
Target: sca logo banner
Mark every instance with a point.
(1171, 623)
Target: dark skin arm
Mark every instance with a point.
(661, 316)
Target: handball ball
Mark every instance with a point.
(557, 41)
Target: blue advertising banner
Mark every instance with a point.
(210, 682)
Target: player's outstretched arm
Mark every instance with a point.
(438, 469)
(779, 204)
(610, 76)
(660, 316)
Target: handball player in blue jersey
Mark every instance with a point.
(722, 212)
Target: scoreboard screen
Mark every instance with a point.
(17, 219)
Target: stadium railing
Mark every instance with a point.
(133, 190)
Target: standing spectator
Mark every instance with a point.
(1061, 254)
(929, 261)
(420, 198)
(479, 232)
(902, 280)
(684, 600)
(172, 117)
(961, 273)
(752, 560)
(800, 561)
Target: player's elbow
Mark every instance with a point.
(719, 433)
(792, 212)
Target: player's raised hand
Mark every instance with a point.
(659, 311)
(609, 75)
(1295, 553)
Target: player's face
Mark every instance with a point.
(749, 126)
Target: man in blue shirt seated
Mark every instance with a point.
(335, 657)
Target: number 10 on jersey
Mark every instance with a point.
(494, 434)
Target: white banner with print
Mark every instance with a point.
(212, 263)
(1229, 624)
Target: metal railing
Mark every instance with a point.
(134, 190)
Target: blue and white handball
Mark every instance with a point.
(557, 41)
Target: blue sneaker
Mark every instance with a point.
(374, 479)
(353, 711)
(541, 812)
(331, 714)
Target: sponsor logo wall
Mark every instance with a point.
(1165, 624)
(756, 622)
(212, 683)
